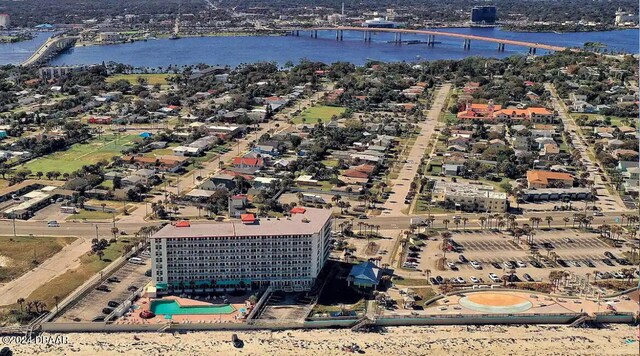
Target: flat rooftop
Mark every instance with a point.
(307, 223)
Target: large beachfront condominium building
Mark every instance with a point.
(286, 253)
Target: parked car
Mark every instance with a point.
(107, 311)
(496, 265)
(475, 264)
(452, 266)
(508, 265)
(589, 263)
(494, 277)
(536, 264)
(607, 262)
(433, 281)
(528, 278)
(521, 264)
(576, 264)
(53, 223)
(461, 280)
(562, 263)
(113, 304)
(463, 259)
(439, 279)
(103, 288)
(474, 279)
(113, 280)
(609, 255)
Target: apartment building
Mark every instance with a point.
(469, 197)
(286, 253)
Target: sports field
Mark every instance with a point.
(323, 113)
(151, 79)
(80, 155)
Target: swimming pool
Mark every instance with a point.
(171, 307)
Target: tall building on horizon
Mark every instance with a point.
(5, 21)
(484, 15)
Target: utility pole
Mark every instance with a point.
(97, 232)
(13, 218)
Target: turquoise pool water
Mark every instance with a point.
(171, 307)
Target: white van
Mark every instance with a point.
(136, 260)
(53, 223)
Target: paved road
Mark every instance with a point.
(401, 185)
(579, 143)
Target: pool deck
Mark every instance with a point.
(145, 303)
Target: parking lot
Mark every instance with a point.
(576, 252)
(130, 275)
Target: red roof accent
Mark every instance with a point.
(248, 161)
(248, 218)
(298, 210)
(183, 223)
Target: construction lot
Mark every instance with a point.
(567, 250)
(130, 275)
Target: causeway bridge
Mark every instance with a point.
(431, 35)
(50, 49)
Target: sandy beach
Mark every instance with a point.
(484, 340)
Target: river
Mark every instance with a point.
(235, 50)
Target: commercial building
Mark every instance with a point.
(623, 18)
(285, 253)
(573, 193)
(379, 22)
(5, 21)
(548, 179)
(484, 15)
(469, 197)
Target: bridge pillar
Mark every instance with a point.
(341, 34)
(337, 35)
(534, 50)
(364, 36)
(315, 33)
(466, 44)
(500, 47)
(298, 33)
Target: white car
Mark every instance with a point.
(475, 264)
(494, 277)
(461, 280)
(508, 265)
(521, 264)
(451, 265)
(474, 279)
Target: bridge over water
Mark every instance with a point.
(431, 35)
(50, 48)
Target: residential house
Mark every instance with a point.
(548, 179)
(247, 164)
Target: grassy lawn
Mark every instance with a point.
(107, 184)
(66, 283)
(20, 253)
(410, 281)
(322, 113)
(329, 163)
(151, 79)
(91, 215)
(82, 154)
(616, 121)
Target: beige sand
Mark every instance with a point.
(486, 340)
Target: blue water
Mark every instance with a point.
(235, 50)
(18, 52)
(171, 307)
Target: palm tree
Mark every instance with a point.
(446, 223)
(566, 220)
(21, 303)
(464, 222)
(483, 221)
(100, 253)
(456, 221)
(549, 219)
